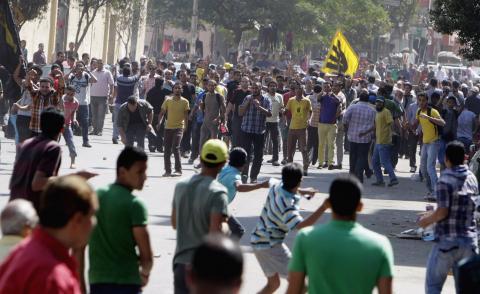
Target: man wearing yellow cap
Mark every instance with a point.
(200, 207)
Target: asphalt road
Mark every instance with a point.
(386, 211)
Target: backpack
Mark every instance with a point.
(85, 75)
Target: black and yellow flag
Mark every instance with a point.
(341, 58)
(9, 40)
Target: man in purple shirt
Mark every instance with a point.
(359, 118)
(327, 127)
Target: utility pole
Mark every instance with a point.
(194, 29)
(52, 31)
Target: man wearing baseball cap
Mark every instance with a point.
(199, 208)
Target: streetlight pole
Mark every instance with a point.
(194, 29)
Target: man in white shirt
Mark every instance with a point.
(100, 92)
(440, 74)
(272, 121)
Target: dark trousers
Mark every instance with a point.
(196, 126)
(256, 141)
(312, 144)
(155, 137)
(115, 288)
(136, 133)
(173, 137)
(236, 131)
(23, 124)
(99, 108)
(394, 150)
(179, 279)
(82, 117)
(235, 227)
(412, 148)
(359, 159)
(185, 145)
(272, 129)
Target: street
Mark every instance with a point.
(386, 211)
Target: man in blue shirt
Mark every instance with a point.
(231, 178)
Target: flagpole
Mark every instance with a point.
(52, 31)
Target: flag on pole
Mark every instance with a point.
(9, 40)
(341, 58)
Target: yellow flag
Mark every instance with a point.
(341, 58)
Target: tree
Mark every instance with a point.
(462, 18)
(26, 10)
(128, 21)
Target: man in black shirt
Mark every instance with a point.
(188, 92)
(156, 97)
(233, 104)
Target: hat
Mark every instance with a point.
(227, 65)
(380, 98)
(475, 90)
(214, 151)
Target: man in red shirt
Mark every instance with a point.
(42, 263)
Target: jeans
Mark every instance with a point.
(82, 116)
(442, 147)
(173, 137)
(412, 143)
(186, 139)
(359, 159)
(255, 140)
(272, 129)
(284, 127)
(195, 140)
(299, 135)
(326, 138)
(312, 144)
(23, 123)
(155, 136)
(68, 136)
(236, 131)
(466, 142)
(179, 279)
(99, 108)
(115, 289)
(208, 131)
(136, 133)
(339, 142)
(428, 161)
(382, 156)
(235, 227)
(396, 141)
(444, 256)
(116, 110)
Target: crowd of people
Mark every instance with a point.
(224, 119)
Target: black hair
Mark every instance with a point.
(455, 84)
(126, 71)
(51, 122)
(46, 80)
(159, 82)
(435, 95)
(237, 157)
(210, 165)
(434, 82)
(292, 174)
(129, 156)
(364, 97)
(218, 261)
(317, 88)
(132, 100)
(371, 80)
(59, 52)
(70, 88)
(455, 152)
(344, 196)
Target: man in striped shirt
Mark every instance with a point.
(280, 215)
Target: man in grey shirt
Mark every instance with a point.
(213, 107)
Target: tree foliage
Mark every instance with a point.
(462, 18)
(26, 10)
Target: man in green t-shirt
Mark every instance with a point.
(341, 256)
(199, 208)
(115, 266)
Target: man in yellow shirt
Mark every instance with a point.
(176, 108)
(383, 144)
(429, 119)
(301, 110)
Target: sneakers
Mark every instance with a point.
(338, 166)
(378, 184)
(165, 175)
(270, 161)
(87, 145)
(413, 169)
(151, 148)
(114, 141)
(415, 234)
(393, 183)
(331, 167)
(253, 181)
(305, 172)
(275, 163)
(284, 162)
(177, 173)
(191, 160)
(430, 198)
